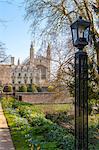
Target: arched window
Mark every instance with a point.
(43, 71)
(19, 74)
(25, 81)
(31, 81)
(19, 82)
(12, 81)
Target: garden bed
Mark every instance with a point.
(45, 127)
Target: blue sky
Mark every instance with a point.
(14, 32)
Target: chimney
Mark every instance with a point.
(12, 60)
(48, 59)
(48, 52)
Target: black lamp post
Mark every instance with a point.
(80, 36)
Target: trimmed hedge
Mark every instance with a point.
(34, 89)
(7, 88)
(50, 88)
(23, 88)
(29, 88)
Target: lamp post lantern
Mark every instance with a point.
(80, 35)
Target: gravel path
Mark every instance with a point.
(5, 137)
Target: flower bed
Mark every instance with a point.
(34, 127)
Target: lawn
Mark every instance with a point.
(45, 127)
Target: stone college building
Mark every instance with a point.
(34, 70)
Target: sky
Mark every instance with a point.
(14, 30)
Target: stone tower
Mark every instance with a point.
(48, 59)
(18, 62)
(31, 54)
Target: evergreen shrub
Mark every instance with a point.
(50, 88)
(7, 88)
(34, 88)
(29, 88)
(23, 88)
(39, 89)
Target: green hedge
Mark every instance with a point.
(28, 88)
(50, 88)
(23, 88)
(34, 88)
(7, 88)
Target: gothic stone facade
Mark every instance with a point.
(35, 69)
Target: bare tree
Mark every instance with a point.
(4, 58)
(57, 15)
(52, 19)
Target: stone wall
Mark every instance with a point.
(5, 74)
(40, 98)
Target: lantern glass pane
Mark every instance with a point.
(81, 32)
(74, 34)
(86, 34)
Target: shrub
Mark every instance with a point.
(58, 117)
(7, 88)
(7, 103)
(30, 128)
(23, 88)
(93, 93)
(34, 89)
(29, 88)
(91, 104)
(50, 88)
(39, 89)
(1, 88)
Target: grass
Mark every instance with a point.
(52, 107)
